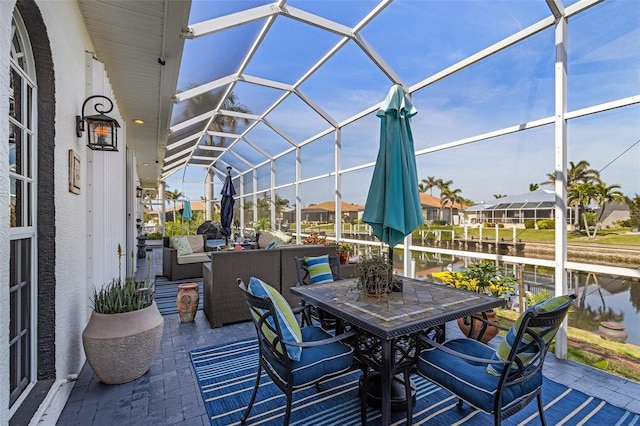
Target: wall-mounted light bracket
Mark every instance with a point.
(102, 134)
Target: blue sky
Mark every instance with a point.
(418, 39)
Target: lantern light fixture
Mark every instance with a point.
(102, 134)
(138, 192)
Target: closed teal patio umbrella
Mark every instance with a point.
(393, 204)
(187, 214)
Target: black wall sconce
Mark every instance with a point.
(102, 135)
(138, 192)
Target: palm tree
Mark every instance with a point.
(577, 174)
(280, 204)
(221, 123)
(428, 184)
(498, 196)
(450, 196)
(634, 210)
(581, 195)
(533, 187)
(443, 185)
(606, 194)
(173, 196)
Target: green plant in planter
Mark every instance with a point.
(262, 224)
(125, 329)
(490, 279)
(375, 274)
(482, 277)
(123, 295)
(344, 249)
(154, 236)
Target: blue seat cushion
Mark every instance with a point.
(469, 380)
(315, 362)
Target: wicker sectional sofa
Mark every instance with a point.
(176, 267)
(223, 303)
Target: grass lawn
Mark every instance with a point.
(614, 236)
(621, 359)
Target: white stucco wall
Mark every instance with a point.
(85, 243)
(5, 34)
(69, 41)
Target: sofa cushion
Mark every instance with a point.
(181, 244)
(284, 237)
(193, 258)
(319, 269)
(288, 324)
(196, 242)
(264, 239)
(275, 242)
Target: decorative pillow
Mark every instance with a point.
(275, 242)
(288, 324)
(264, 239)
(196, 242)
(319, 269)
(181, 243)
(502, 352)
(284, 237)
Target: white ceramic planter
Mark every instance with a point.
(121, 347)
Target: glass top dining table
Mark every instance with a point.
(420, 306)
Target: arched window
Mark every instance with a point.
(22, 175)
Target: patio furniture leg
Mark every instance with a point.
(543, 420)
(253, 395)
(363, 394)
(408, 396)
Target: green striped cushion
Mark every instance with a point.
(319, 269)
(502, 352)
(290, 329)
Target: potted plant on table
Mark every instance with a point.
(125, 329)
(482, 277)
(375, 276)
(343, 250)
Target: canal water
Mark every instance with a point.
(600, 297)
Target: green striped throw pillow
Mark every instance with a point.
(290, 329)
(319, 269)
(502, 352)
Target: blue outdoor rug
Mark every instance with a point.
(166, 293)
(226, 375)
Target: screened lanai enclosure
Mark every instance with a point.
(513, 98)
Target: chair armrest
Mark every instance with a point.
(424, 339)
(322, 342)
(300, 309)
(493, 324)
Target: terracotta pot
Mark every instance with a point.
(343, 258)
(613, 331)
(121, 347)
(187, 301)
(489, 333)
